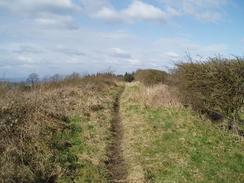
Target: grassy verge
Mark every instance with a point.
(171, 144)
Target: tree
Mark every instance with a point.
(32, 79)
(129, 77)
(56, 78)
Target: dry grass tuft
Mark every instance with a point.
(155, 96)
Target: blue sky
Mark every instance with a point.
(87, 36)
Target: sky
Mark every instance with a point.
(88, 36)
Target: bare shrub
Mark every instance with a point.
(23, 150)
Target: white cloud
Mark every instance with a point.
(36, 6)
(64, 54)
(91, 6)
(117, 35)
(135, 62)
(69, 51)
(119, 53)
(42, 14)
(183, 45)
(136, 11)
(25, 58)
(51, 21)
(142, 11)
(108, 14)
(205, 10)
(172, 55)
(29, 46)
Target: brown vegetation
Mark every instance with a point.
(31, 119)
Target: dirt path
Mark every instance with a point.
(116, 164)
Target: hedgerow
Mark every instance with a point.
(214, 87)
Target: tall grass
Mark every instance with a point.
(157, 95)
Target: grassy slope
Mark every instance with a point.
(171, 144)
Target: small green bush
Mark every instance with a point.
(129, 77)
(151, 77)
(215, 87)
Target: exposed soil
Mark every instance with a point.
(116, 164)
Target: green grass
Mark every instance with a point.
(68, 145)
(71, 144)
(191, 152)
(182, 147)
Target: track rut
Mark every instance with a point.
(116, 164)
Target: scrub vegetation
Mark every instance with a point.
(56, 131)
